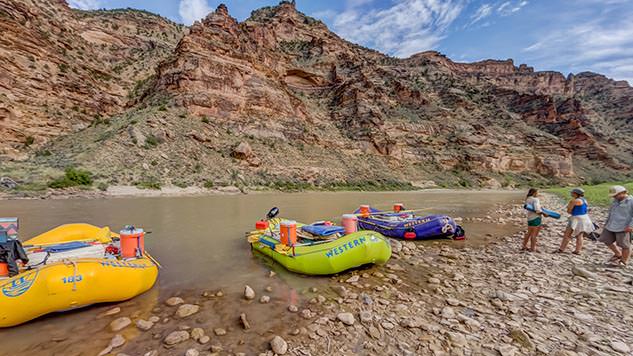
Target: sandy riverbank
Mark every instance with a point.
(435, 299)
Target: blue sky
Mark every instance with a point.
(562, 35)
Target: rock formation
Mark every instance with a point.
(295, 91)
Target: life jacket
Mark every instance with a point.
(580, 209)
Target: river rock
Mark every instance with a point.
(120, 324)
(244, 321)
(173, 301)
(144, 325)
(346, 318)
(110, 312)
(578, 271)
(249, 293)
(448, 313)
(453, 302)
(197, 334)
(507, 350)
(353, 279)
(176, 337)
(366, 317)
(620, 347)
(242, 151)
(192, 352)
(457, 339)
(279, 345)
(373, 332)
(186, 310)
(264, 299)
(117, 341)
(341, 291)
(219, 331)
(522, 338)
(396, 246)
(434, 280)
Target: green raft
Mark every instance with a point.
(325, 257)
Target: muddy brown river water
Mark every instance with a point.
(200, 242)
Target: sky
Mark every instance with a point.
(569, 36)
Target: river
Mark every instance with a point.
(200, 242)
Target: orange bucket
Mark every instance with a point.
(398, 207)
(131, 241)
(288, 232)
(4, 270)
(350, 223)
(364, 210)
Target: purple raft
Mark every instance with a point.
(409, 226)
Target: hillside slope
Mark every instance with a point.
(280, 100)
(60, 69)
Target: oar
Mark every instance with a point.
(152, 259)
(392, 212)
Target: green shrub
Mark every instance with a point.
(103, 186)
(181, 184)
(209, 184)
(72, 177)
(205, 120)
(595, 194)
(149, 184)
(151, 141)
(43, 153)
(29, 141)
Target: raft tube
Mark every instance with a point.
(409, 226)
(326, 257)
(72, 283)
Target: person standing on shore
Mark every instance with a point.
(617, 231)
(534, 221)
(579, 225)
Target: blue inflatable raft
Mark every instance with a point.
(409, 226)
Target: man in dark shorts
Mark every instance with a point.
(617, 231)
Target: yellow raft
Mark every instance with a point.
(73, 283)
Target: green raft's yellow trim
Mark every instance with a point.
(72, 283)
(350, 251)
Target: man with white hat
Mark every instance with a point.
(617, 230)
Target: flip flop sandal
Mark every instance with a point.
(577, 253)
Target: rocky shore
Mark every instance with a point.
(430, 299)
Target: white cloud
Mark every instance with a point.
(404, 28)
(519, 6)
(484, 11)
(84, 4)
(504, 7)
(193, 10)
(509, 7)
(603, 45)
